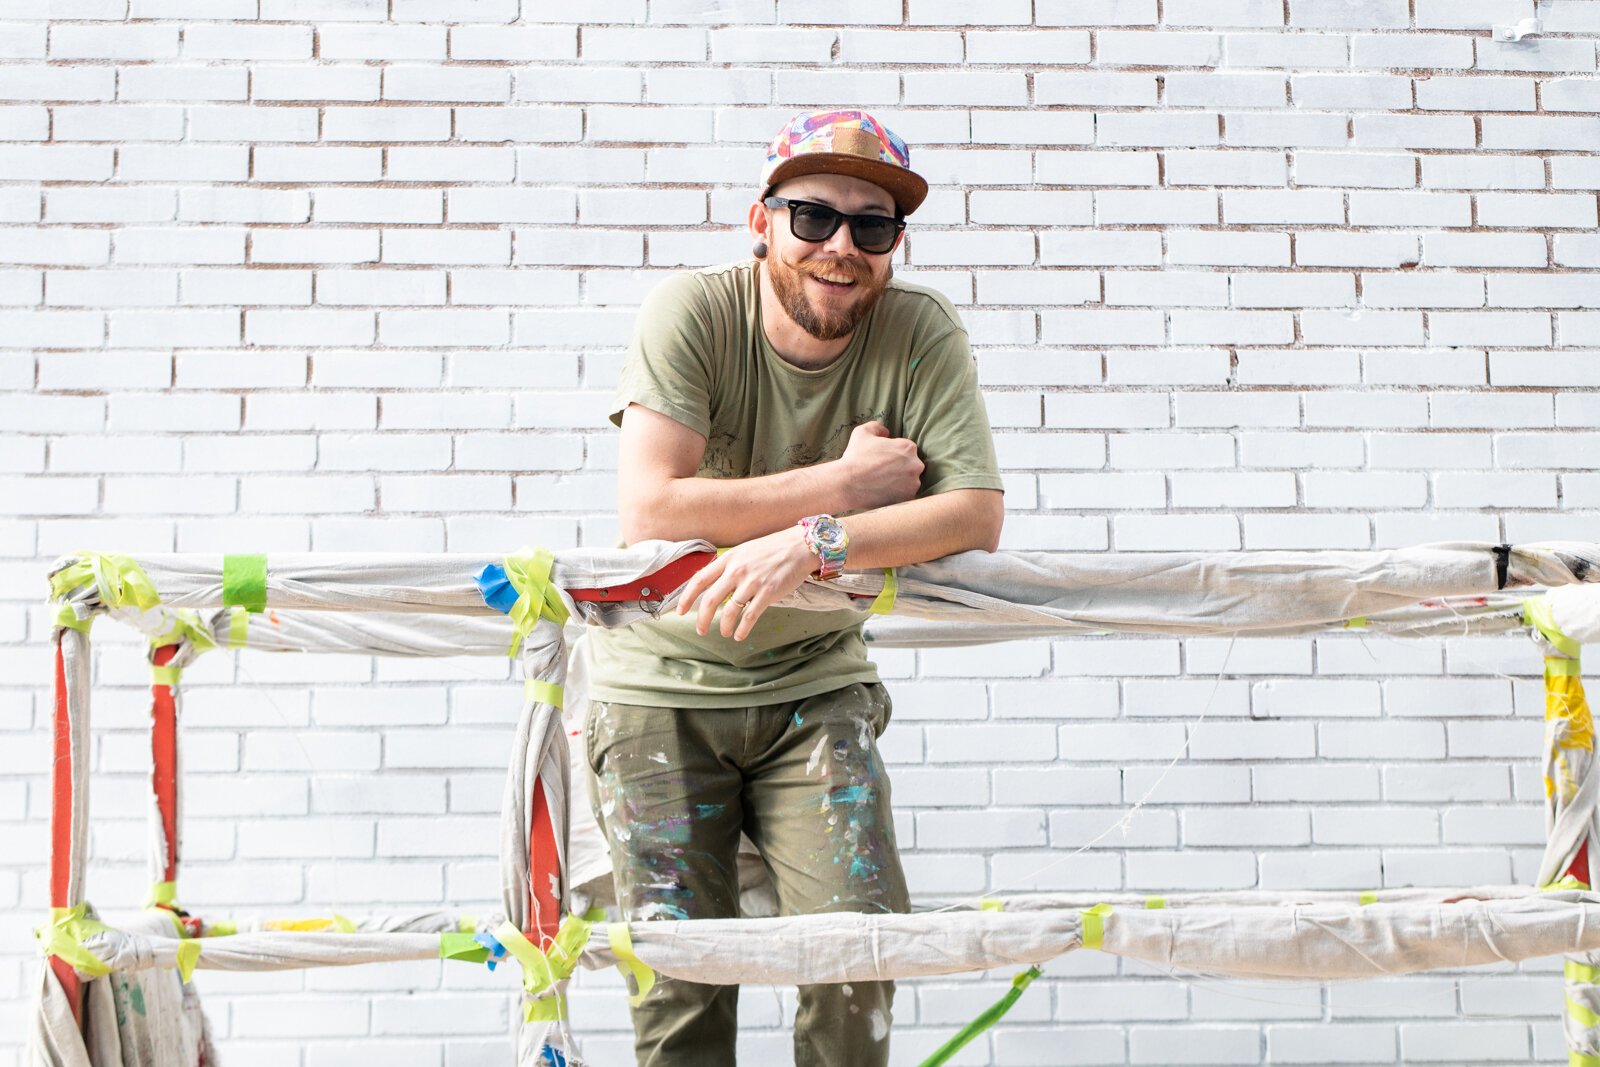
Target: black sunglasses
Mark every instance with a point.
(815, 222)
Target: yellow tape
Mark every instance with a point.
(63, 939)
(1569, 882)
(643, 979)
(536, 973)
(1580, 972)
(188, 956)
(1368, 897)
(883, 603)
(119, 580)
(161, 893)
(1357, 623)
(1585, 1017)
(224, 928)
(1581, 1059)
(528, 571)
(547, 1009)
(1536, 613)
(68, 619)
(1562, 668)
(306, 926)
(1155, 903)
(1094, 925)
(991, 904)
(167, 676)
(343, 925)
(186, 624)
(541, 970)
(542, 691)
(238, 626)
(467, 924)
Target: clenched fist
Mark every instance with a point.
(880, 470)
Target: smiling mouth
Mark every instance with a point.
(833, 284)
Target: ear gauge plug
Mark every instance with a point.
(759, 250)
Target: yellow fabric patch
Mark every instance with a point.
(1564, 699)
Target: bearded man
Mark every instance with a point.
(817, 416)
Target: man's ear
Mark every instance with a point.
(760, 221)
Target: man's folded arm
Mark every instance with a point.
(659, 497)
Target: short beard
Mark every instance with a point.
(826, 326)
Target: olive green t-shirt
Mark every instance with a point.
(700, 357)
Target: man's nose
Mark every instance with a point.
(842, 243)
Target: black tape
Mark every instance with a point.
(1502, 565)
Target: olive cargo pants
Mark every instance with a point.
(673, 789)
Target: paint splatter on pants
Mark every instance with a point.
(673, 789)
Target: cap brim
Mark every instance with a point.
(907, 187)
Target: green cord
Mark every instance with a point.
(990, 1015)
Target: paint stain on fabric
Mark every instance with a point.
(851, 794)
(136, 998)
(880, 1025)
(657, 910)
(816, 757)
(798, 721)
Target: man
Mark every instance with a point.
(815, 416)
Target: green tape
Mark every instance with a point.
(244, 582)
(883, 603)
(238, 626)
(542, 691)
(68, 619)
(1536, 613)
(188, 956)
(547, 1009)
(1569, 882)
(634, 970)
(64, 937)
(987, 1018)
(1094, 925)
(464, 947)
(528, 571)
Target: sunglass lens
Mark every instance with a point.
(873, 235)
(813, 222)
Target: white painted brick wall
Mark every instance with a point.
(358, 275)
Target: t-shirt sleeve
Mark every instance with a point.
(668, 369)
(945, 416)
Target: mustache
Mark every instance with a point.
(854, 270)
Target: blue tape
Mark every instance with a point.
(497, 590)
(497, 951)
(554, 1057)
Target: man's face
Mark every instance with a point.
(827, 287)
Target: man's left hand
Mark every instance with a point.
(747, 579)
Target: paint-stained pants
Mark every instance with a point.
(804, 780)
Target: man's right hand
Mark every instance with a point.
(880, 470)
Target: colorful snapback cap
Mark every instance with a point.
(844, 142)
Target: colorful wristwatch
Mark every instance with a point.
(826, 536)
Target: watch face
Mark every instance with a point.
(829, 533)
